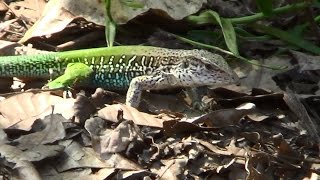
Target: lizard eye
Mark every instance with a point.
(208, 66)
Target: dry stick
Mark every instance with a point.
(31, 90)
(91, 37)
(313, 24)
(297, 108)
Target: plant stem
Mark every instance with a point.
(195, 43)
(252, 18)
(277, 11)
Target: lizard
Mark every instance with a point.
(136, 68)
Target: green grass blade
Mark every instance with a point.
(227, 52)
(285, 36)
(226, 27)
(265, 6)
(110, 29)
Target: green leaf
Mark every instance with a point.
(226, 27)
(265, 6)
(110, 32)
(285, 36)
(243, 34)
(110, 29)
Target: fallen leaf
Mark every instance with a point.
(52, 132)
(76, 156)
(21, 110)
(118, 139)
(58, 14)
(110, 113)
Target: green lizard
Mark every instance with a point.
(135, 68)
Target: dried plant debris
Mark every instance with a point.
(19, 111)
(247, 135)
(257, 135)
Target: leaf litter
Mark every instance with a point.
(252, 140)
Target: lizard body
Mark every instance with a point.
(135, 67)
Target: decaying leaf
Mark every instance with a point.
(177, 127)
(26, 170)
(76, 156)
(21, 110)
(121, 162)
(111, 113)
(118, 139)
(52, 132)
(103, 173)
(28, 9)
(173, 169)
(136, 174)
(225, 117)
(58, 14)
(85, 106)
(259, 167)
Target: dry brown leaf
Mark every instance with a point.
(305, 61)
(252, 136)
(119, 161)
(81, 174)
(30, 9)
(52, 132)
(85, 106)
(177, 127)
(262, 77)
(7, 48)
(172, 169)
(58, 14)
(103, 173)
(111, 113)
(41, 152)
(214, 148)
(21, 110)
(11, 153)
(54, 19)
(141, 174)
(236, 173)
(257, 117)
(26, 170)
(77, 156)
(3, 137)
(225, 164)
(258, 167)
(224, 117)
(118, 139)
(284, 150)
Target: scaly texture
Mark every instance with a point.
(136, 67)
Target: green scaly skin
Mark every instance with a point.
(114, 67)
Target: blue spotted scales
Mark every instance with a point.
(135, 68)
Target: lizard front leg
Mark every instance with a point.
(148, 82)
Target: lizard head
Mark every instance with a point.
(204, 68)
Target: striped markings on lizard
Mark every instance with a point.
(135, 68)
